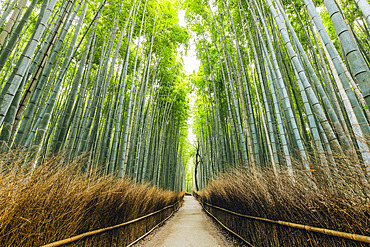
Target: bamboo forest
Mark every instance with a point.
(214, 122)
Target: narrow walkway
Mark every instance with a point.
(190, 227)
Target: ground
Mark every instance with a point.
(189, 227)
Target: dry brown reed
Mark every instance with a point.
(343, 207)
(55, 201)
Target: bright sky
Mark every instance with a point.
(191, 64)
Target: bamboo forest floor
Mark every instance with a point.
(189, 227)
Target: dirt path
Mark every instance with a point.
(190, 227)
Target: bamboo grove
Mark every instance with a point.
(100, 79)
(284, 86)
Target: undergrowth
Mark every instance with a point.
(55, 201)
(262, 194)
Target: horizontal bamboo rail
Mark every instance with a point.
(351, 236)
(225, 227)
(146, 234)
(98, 231)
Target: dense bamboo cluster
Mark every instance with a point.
(280, 90)
(99, 78)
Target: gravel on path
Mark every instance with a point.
(189, 227)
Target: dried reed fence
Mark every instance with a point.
(262, 195)
(55, 202)
(161, 214)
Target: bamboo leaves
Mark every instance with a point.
(287, 88)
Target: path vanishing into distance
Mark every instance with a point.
(189, 227)
(111, 109)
